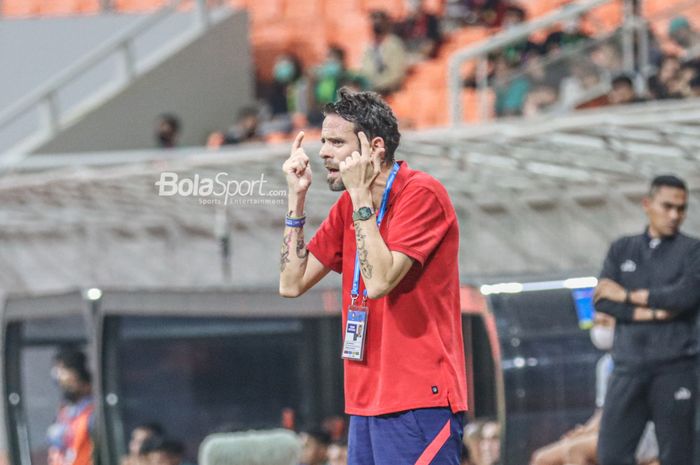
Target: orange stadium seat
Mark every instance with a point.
(262, 12)
(307, 11)
(20, 8)
(136, 6)
(352, 33)
(67, 7)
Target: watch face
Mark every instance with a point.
(365, 212)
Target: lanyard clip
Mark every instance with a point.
(364, 299)
(353, 298)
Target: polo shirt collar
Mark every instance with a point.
(654, 242)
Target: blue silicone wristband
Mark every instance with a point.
(295, 222)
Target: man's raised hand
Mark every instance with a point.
(361, 168)
(297, 168)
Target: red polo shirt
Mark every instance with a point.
(414, 351)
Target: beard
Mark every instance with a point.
(336, 185)
(335, 182)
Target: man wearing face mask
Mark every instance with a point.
(650, 283)
(384, 62)
(69, 437)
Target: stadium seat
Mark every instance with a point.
(263, 12)
(137, 6)
(68, 7)
(20, 8)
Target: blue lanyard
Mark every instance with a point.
(380, 216)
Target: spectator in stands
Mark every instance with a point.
(660, 84)
(244, 130)
(680, 87)
(543, 89)
(470, 439)
(290, 92)
(138, 435)
(510, 88)
(314, 447)
(607, 56)
(516, 54)
(420, 32)
(158, 450)
(583, 82)
(571, 35)
(490, 445)
(330, 76)
(384, 60)
(338, 453)
(167, 130)
(70, 436)
(680, 31)
(622, 92)
(476, 12)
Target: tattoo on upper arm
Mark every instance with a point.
(362, 252)
(284, 251)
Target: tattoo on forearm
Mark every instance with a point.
(284, 251)
(302, 251)
(362, 253)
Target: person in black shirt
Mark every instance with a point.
(650, 283)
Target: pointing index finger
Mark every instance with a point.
(297, 141)
(364, 144)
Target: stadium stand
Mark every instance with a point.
(421, 103)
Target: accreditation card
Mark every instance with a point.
(355, 329)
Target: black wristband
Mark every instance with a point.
(627, 297)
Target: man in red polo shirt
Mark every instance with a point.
(393, 234)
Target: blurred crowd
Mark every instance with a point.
(570, 67)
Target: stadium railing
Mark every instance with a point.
(44, 101)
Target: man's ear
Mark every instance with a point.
(377, 144)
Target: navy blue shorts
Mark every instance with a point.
(414, 437)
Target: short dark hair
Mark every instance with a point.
(171, 120)
(161, 444)
(517, 11)
(75, 360)
(622, 79)
(666, 180)
(338, 51)
(370, 114)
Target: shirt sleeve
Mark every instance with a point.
(684, 295)
(419, 224)
(327, 243)
(611, 270)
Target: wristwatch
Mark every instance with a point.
(362, 214)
